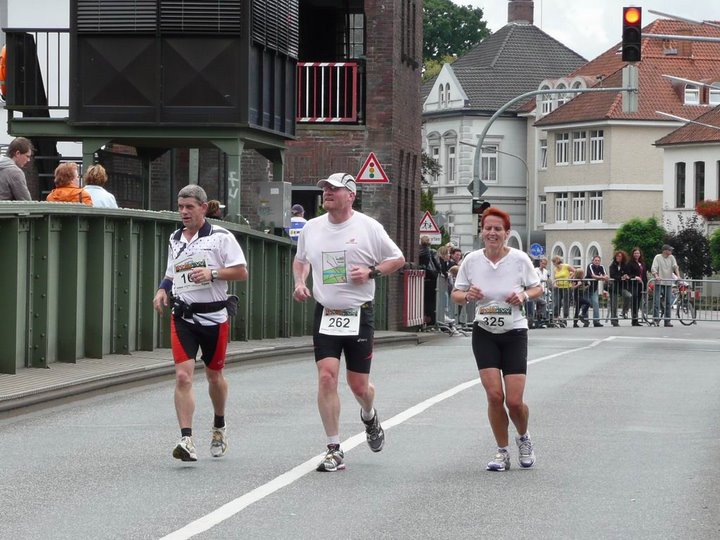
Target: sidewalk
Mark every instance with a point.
(32, 385)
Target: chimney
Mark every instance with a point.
(520, 11)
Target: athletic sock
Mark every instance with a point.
(334, 439)
(219, 421)
(368, 415)
(186, 432)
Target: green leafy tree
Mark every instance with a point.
(647, 234)
(432, 67)
(692, 248)
(715, 250)
(430, 168)
(450, 30)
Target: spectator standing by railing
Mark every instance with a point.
(95, 180)
(67, 188)
(595, 273)
(581, 290)
(562, 286)
(429, 262)
(663, 267)
(13, 186)
(618, 283)
(637, 272)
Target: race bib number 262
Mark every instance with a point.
(340, 322)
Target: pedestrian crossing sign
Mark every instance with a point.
(372, 172)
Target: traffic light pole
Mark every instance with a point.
(477, 165)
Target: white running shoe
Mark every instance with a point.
(218, 445)
(333, 460)
(501, 462)
(185, 450)
(526, 455)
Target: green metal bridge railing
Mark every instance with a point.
(78, 282)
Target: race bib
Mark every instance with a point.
(183, 267)
(496, 317)
(340, 322)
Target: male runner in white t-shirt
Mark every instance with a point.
(202, 258)
(347, 251)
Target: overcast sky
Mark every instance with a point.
(590, 27)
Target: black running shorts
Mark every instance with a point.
(358, 349)
(506, 352)
(186, 338)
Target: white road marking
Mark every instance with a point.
(235, 506)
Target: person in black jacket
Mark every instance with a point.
(429, 262)
(618, 283)
(637, 272)
(595, 273)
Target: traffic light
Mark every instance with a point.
(632, 34)
(479, 206)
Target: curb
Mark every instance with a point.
(108, 380)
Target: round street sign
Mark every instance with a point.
(536, 250)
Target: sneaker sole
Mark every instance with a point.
(180, 453)
(340, 467)
(219, 455)
(526, 466)
(497, 470)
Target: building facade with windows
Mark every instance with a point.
(457, 105)
(594, 165)
(691, 167)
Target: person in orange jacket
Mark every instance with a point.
(67, 188)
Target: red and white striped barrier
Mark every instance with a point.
(414, 305)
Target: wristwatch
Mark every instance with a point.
(213, 275)
(374, 273)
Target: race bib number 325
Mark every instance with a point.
(340, 322)
(496, 317)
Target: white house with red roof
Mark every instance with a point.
(595, 166)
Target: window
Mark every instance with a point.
(579, 139)
(561, 204)
(447, 93)
(596, 206)
(578, 206)
(680, 185)
(561, 98)
(597, 145)
(435, 154)
(545, 102)
(543, 154)
(543, 210)
(489, 164)
(450, 164)
(714, 94)
(575, 257)
(441, 95)
(692, 94)
(562, 141)
(699, 181)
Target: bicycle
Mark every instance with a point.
(682, 305)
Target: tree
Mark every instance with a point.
(692, 249)
(450, 30)
(430, 168)
(432, 67)
(647, 234)
(715, 250)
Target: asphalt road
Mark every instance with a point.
(625, 424)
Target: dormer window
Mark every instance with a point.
(561, 98)
(447, 93)
(714, 94)
(441, 95)
(545, 102)
(692, 94)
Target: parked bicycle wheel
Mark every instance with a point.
(686, 313)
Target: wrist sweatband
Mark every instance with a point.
(166, 284)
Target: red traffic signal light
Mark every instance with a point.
(632, 34)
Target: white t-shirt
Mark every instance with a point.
(211, 247)
(513, 273)
(101, 197)
(332, 249)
